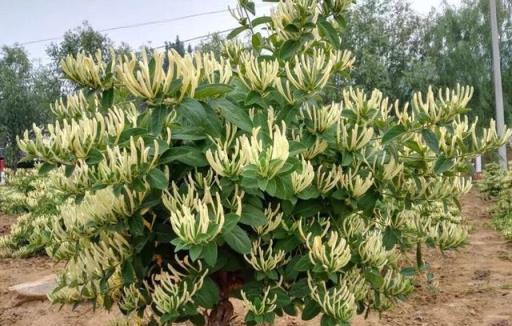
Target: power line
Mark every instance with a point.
(201, 36)
(153, 22)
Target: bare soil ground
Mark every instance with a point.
(472, 286)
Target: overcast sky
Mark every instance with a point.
(28, 20)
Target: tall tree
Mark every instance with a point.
(80, 39)
(24, 98)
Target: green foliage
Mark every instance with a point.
(204, 178)
(497, 184)
(25, 94)
(33, 198)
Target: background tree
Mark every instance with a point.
(24, 97)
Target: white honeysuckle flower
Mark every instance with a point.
(325, 181)
(213, 70)
(86, 69)
(132, 298)
(353, 225)
(276, 153)
(285, 90)
(338, 7)
(322, 118)
(343, 60)
(232, 50)
(352, 138)
(189, 70)
(449, 235)
(310, 73)
(70, 140)
(355, 184)
(337, 302)
(446, 106)
(265, 260)
(74, 106)
(227, 162)
(356, 284)
(174, 289)
(273, 217)
(303, 179)
(316, 149)
(331, 255)
(123, 165)
(405, 118)
(395, 284)
(288, 12)
(391, 169)
(372, 250)
(195, 220)
(263, 305)
(258, 75)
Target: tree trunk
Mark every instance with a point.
(222, 314)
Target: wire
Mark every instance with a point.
(153, 22)
(201, 37)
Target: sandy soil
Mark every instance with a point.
(472, 286)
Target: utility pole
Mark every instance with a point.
(498, 91)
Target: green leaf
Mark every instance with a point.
(393, 132)
(328, 321)
(230, 220)
(431, 140)
(238, 240)
(280, 187)
(157, 179)
(299, 289)
(408, 271)
(288, 49)
(131, 132)
(94, 157)
(327, 30)
(195, 252)
(233, 113)
(158, 116)
(311, 310)
(208, 295)
(128, 273)
(210, 253)
(257, 40)
(253, 216)
(200, 116)
(237, 31)
(442, 164)
(136, 225)
(212, 90)
(107, 98)
(45, 168)
(374, 278)
(261, 20)
(185, 154)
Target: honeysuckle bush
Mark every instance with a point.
(36, 201)
(492, 182)
(497, 184)
(198, 179)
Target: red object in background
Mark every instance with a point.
(2, 165)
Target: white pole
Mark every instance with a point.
(498, 92)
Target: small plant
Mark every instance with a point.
(499, 186)
(33, 198)
(198, 179)
(493, 180)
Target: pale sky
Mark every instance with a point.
(28, 20)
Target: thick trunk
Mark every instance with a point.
(222, 314)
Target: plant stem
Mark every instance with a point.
(419, 258)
